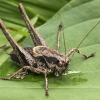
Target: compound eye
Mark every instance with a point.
(60, 63)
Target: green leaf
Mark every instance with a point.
(78, 19)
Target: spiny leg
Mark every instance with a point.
(46, 83)
(17, 48)
(58, 36)
(36, 37)
(76, 50)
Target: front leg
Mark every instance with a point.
(76, 50)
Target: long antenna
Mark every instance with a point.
(85, 37)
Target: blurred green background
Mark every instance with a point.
(38, 10)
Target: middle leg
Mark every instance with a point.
(19, 74)
(46, 83)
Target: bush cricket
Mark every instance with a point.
(39, 59)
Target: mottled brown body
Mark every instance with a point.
(44, 57)
(38, 59)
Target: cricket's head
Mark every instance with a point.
(62, 65)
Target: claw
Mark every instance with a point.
(91, 55)
(47, 94)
